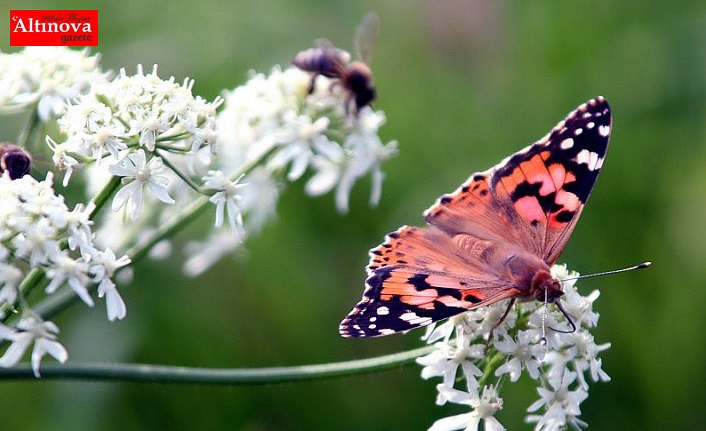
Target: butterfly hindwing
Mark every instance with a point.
(418, 276)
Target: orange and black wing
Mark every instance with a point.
(529, 203)
(534, 198)
(419, 276)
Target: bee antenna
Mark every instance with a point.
(615, 271)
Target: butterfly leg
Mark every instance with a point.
(500, 322)
(568, 319)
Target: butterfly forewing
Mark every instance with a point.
(533, 198)
(528, 204)
(548, 183)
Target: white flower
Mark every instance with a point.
(73, 272)
(525, 352)
(446, 359)
(484, 409)
(37, 244)
(10, 278)
(227, 197)
(561, 404)
(486, 319)
(150, 174)
(103, 269)
(560, 367)
(259, 198)
(276, 114)
(298, 135)
(48, 77)
(584, 351)
(113, 301)
(32, 330)
(105, 264)
(63, 156)
(34, 223)
(253, 114)
(140, 109)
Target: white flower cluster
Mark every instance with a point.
(560, 365)
(47, 77)
(274, 122)
(141, 141)
(275, 115)
(37, 230)
(126, 122)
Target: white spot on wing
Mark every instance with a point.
(589, 158)
(372, 319)
(578, 131)
(412, 318)
(590, 124)
(372, 326)
(383, 311)
(386, 331)
(599, 164)
(603, 130)
(566, 144)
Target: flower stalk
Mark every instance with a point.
(142, 373)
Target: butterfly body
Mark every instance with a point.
(492, 239)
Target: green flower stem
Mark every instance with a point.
(62, 299)
(214, 376)
(102, 197)
(180, 174)
(493, 363)
(189, 214)
(24, 138)
(197, 207)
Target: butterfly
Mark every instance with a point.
(492, 239)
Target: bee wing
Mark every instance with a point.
(323, 43)
(365, 36)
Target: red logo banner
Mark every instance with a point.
(53, 28)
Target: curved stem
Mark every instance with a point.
(493, 364)
(102, 197)
(166, 230)
(218, 376)
(180, 174)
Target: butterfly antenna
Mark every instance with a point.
(615, 271)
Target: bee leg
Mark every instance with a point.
(312, 83)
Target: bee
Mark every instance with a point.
(355, 77)
(15, 160)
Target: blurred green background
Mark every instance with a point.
(463, 84)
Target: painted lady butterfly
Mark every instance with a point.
(492, 239)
